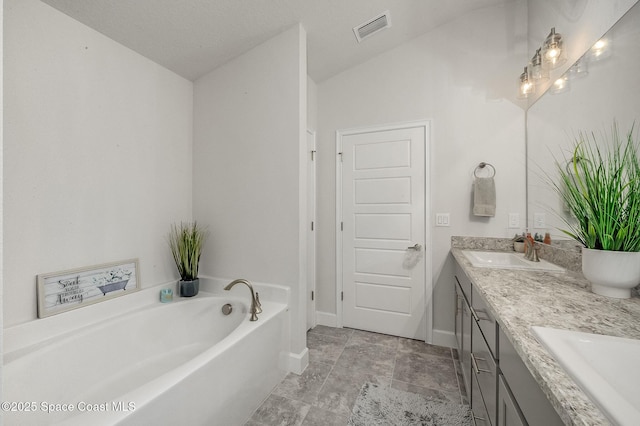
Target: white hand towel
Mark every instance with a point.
(484, 196)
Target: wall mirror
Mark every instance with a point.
(602, 86)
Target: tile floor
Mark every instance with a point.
(341, 360)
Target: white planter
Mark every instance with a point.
(611, 273)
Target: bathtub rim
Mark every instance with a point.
(11, 356)
(34, 332)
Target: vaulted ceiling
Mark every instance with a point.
(193, 37)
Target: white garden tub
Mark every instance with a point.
(183, 362)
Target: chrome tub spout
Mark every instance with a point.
(255, 304)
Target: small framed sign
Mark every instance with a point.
(63, 291)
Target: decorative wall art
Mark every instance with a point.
(63, 291)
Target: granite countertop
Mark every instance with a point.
(520, 299)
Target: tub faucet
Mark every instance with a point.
(531, 250)
(254, 301)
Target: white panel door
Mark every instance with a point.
(383, 232)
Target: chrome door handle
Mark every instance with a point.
(416, 247)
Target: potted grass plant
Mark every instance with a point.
(186, 241)
(600, 187)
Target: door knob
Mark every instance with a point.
(416, 247)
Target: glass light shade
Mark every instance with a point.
(600, 50)
(537, 70)
(526, 86)
(553, 53)
(561, 85)
(579, 69)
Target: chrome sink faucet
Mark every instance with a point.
(255, 300)
(531, 250)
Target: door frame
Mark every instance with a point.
(312, 223)
(428, 276)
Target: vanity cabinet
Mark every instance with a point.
(476, 338)
(500, 388)
(484, 368)
(463, 325)
(484, 354)
(527, 395)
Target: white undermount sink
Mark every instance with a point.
(605, 368)
(507, 260)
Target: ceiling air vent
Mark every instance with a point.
(372, 26)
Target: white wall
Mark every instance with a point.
(97, 153)
(249, 133)
(1, 195)
(312, 105)
(455, 77)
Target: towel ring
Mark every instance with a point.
(482, 166)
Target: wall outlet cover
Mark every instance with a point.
(514, 220)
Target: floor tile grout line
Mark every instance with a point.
(333, 365)
(395, 361)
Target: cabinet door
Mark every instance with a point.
(485, 320)
(485, 371)
(478, 409)
(508, 412)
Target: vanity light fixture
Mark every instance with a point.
(553, 50)
(537, 70)
(526, 86)
(550, 55)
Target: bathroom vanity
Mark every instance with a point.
(510, 378)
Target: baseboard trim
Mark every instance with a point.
(298, 362)
(327, 319)
(444, 338)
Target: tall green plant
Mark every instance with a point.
(186, 241)
(601, 188)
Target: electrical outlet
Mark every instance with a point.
(539, 220)
(514, 220)
(442, 219)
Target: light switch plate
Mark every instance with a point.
(442, 219)
(539, 220)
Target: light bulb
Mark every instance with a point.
(601, 49)
(526, 86)
(561, 85)
(536, 69)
